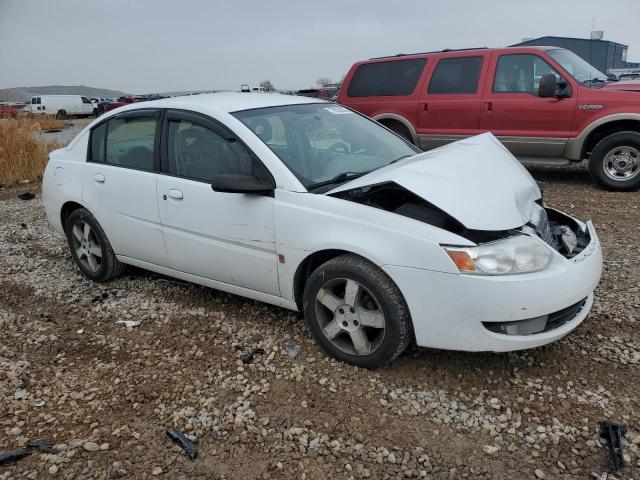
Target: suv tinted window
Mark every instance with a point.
(199, 153)
(393, 78)
(520, 74)
(456, 75)
(130, 142)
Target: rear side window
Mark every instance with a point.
(126, 142)
(456, 75)
(98, 136)
(393, 78)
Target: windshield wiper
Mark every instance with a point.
(399, 158)
(341, 177)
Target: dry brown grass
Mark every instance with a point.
(23, 155)
(49, 123)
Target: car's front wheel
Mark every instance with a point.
(356, 312)
(615, 162)
(90, 247)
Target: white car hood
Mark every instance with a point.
(476, 180)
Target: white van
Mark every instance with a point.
(61, 106)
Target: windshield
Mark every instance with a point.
(578, 68)
(324, 144)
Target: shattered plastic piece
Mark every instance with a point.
(247, 357)
(13, 455)
(43, 446)
(291, 349)
(26, 196)
(38, 403)
(184, 443)
(613, 434)
(128, 323)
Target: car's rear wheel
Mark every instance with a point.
(90, 247)
(356, 313)
(615, 162)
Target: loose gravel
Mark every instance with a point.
(103, 370)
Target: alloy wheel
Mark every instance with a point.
(622, 163)
(350, 317)
(87, 246)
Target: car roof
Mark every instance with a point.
(225, 101)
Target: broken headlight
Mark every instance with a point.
(519, 254)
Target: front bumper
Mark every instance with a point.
(449, 311)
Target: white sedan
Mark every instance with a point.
(310, 206)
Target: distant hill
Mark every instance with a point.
(21, 94)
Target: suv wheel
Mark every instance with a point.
(615, 162)
(90, 247)
(356, 313)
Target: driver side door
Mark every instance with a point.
(226, 237)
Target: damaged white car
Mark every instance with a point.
(310, 206)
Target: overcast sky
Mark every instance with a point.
(145, 46)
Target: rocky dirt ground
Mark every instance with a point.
(105, 394)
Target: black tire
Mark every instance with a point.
(599, 162)
(108, 267)
(96, 112)
(61, 115)
(398, 329)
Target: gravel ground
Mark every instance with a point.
(105, 393)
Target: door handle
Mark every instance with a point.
(175, 194)
(425, 106)
(487, 107)
(99, 178)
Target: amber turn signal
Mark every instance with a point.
(463, 260)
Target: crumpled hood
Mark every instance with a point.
(626, 85)
(476, 180)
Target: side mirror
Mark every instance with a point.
(242, 183)
(551, 87)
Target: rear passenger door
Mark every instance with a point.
(450, 103)
(512, 110)
(227, 237)
(119, 184)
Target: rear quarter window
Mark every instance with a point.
(456, 75)
(393, 78)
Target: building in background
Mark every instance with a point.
(602, 54)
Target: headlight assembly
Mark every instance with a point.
(519, 254)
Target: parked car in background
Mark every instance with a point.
(308, 205)
(547, 105)
(120, 102)
(325, 93)
(62, 106)
(11, 109)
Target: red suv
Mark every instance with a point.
(546, 104)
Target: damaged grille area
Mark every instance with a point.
(559, 231)
(536, 325)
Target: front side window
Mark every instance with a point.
(129, 142)
(85, 100)
(324, 144)
(199, 153)
(458, 75)
(578, 68)
(391, 78)
(521, 74)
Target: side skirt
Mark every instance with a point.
(225, 287)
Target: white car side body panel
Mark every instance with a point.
(306, 223)
(226, 237)
(470, 166)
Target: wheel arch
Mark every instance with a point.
(390, 120)
(66, 210)
(579, 147)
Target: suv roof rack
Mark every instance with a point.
(425, 53)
